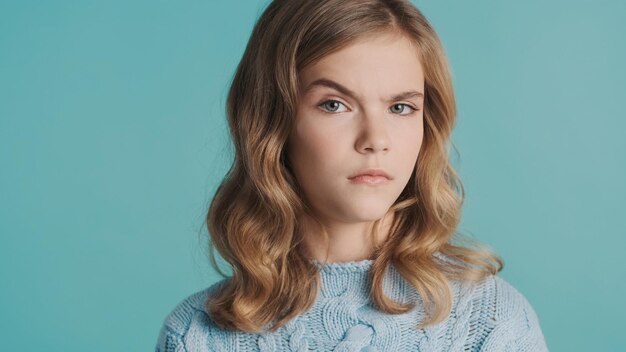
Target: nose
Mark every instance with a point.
(373, 135)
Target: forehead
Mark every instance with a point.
(384, 62)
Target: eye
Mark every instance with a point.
(331, 105)
(412, 109)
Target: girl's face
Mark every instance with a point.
(359, 108)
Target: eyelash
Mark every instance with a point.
(414, 110)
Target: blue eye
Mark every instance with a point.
(404, 105)
(334, 102)
(332, 105)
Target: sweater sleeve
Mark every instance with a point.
(517, 327)
(173, 336)
(169, 341)
(176, 324)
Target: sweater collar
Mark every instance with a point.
(345, 279)
(358, 266)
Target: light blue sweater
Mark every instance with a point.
(490, 316)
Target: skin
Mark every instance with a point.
(336, 135)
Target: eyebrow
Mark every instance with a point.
(324, 82)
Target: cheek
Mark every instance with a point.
(408, 137)
(419, 137)
(408, 144)
(315, 145)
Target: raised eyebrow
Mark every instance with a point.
(324, 82)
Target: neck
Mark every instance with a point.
(347, 242)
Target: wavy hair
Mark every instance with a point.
(252, 217)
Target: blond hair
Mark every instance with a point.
(252, 217)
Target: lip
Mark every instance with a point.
(375, 174)
(370, 180)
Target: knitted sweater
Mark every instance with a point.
(487, 316)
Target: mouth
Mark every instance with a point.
(372, 173)
(369, 180)
(371, 177)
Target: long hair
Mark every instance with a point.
(252, 217)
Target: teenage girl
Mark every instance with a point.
(339, 215)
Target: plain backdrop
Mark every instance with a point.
(113, 139)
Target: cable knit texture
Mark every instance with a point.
(487, 316)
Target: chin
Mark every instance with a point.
(371, 213)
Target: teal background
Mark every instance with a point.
(113, 140)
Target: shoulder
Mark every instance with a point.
(179, 317)
(187, 317)
(507, 319)
(506, 300)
